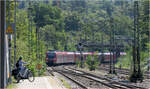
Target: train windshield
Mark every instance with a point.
(51, 55)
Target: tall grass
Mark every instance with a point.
(125, 61)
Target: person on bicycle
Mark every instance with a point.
(20, 66)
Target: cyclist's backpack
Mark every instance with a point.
(17, 64)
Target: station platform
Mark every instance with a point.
(46, 82)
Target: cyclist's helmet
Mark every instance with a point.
(20, 57)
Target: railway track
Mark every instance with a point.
(89, 81)
(124, 71)
(117, 84)
(61, 72)
(83, 82)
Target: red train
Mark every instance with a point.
(58, 57)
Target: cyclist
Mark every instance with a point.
(20, 66)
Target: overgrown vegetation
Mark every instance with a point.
(65, 83)
(12, 85)
(92, 62)
(125, 61)
(78, 63)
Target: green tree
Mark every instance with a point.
(45, 14)
(72, 22)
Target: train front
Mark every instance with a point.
(50, 57)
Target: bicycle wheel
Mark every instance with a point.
(30, 76)
(18, 77)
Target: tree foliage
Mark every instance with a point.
(63, 25)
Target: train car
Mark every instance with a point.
(105, 57)
(58, 57)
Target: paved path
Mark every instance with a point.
(48, 82)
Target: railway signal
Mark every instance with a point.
(80, 47)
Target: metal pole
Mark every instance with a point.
(36, 42)
(9, 10)
(110, 13)
(148, 68)
(38, 45)
(138, 43)
(37, 36)
(31, 39)
(110, 71)
(134, 46)
(9, 44)
(15, 38)
(30, 31)
(102, 57)
(29, 28)
(113, 38)
(2, 45)
(134, 76)
(40, 49)
(81, 56)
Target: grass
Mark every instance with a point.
(12, 85)
(125, 61)
(65, 83)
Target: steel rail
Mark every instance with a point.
(126, 71)
(112, 81)
(76, 82)
(101, 81)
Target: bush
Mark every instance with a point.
(78, 62)
(35, 71)
(92, 62)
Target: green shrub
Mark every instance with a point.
(78, 62)
(92, 62)
(35, 71)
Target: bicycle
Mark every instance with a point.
(18, 75)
